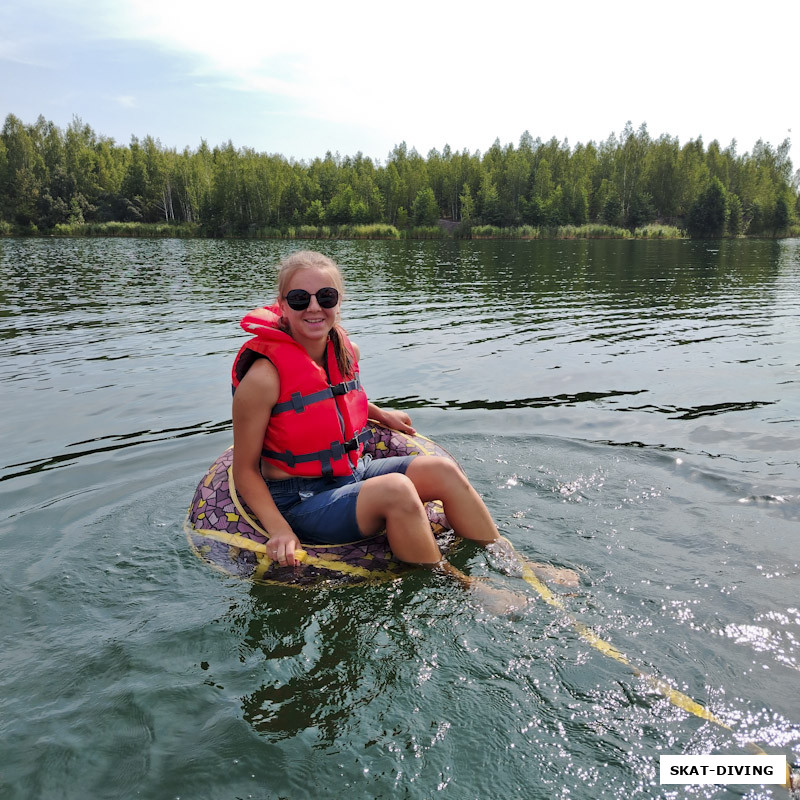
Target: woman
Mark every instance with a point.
(297, 444)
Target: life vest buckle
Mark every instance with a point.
(338, 449)
(298, 403)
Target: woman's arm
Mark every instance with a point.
(252, 405)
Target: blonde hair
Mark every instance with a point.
(310, 259)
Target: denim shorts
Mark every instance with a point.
(323, 510)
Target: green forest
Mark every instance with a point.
(78, 182)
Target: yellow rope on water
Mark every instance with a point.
(677, 698)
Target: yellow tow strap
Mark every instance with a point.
(334, 565)
(678, 699)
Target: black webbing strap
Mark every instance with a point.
(336, 451)
(299, 402)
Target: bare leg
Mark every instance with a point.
(440, 479)
(392, 501)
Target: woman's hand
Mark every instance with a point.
(281, 547)
(398, 420)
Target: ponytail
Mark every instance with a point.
(345, 360)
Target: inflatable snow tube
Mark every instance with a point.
(224, 533)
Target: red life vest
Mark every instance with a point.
(319, 424)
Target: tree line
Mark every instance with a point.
(51, 177)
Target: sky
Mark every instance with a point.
(303, 78)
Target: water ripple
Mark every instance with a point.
(626, 409)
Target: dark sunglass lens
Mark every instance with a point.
(298, 299)
(327, 297)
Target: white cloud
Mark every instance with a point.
(435, 73)
(430, 70)
(11, 51)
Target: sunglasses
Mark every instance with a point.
(299, 299)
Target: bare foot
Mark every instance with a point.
(498, 601)
(560, 576)
(504, 558)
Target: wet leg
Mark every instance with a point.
(438, 478)
(397, 502)
(391, 502)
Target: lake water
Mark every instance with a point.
(627, 409)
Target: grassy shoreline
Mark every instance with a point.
(372, 231)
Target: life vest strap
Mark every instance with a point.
(299, 402)
(336, 451)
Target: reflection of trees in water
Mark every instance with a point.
(329, 654)
(532, 272)
(401, 275)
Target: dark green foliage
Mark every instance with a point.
(315, 214)
(781, 218)
(425, 210)
(579, 206)
(555, 208)
(735, 221)
(612, 210)
(708, 213)
(533, 211)
(491, 212)
(640, 211)
(52, 179)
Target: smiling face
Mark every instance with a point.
(311, 325)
